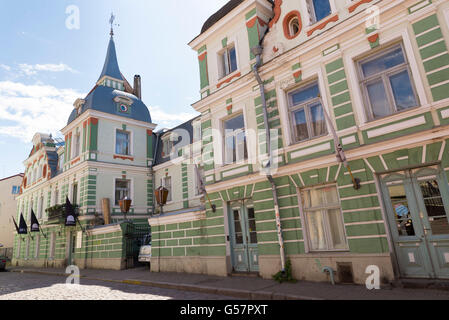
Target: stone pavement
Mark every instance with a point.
(249, 288)
(28, 286)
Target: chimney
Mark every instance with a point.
(137, 86)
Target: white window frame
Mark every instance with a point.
(76, 146)
(131, 147)
(224, 65)
(168, 146)
(40, 207)
(291, 109)
(356, 52)
(385, 75)
(170, 197)
(311, 11)
(130, 192)
(235, 133)
(304, 211)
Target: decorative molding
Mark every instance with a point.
(354, 7)
(227, 80)
(323, 25)
(277, 13)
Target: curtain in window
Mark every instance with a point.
(122, 143)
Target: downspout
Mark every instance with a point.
(158, 134)
(257, 51)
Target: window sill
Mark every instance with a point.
(372, 123)
(306, 143)
(228, 78)
(123, 157)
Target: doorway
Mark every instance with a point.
(243, 237)
(417, 205)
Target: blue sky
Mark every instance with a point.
(45, 67)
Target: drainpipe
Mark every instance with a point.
(257, 51)
(158, 134)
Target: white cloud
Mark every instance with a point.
(27, 109)
(29, 69)
(5, 67)
(168, 120)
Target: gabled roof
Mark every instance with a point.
(111, 68)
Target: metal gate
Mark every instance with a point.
(135, 236)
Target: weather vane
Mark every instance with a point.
(111, 21)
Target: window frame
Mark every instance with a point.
(306, 106)
(170, 198)
(169, 144)
(385, 76)
(312, 13)
(223, 72)
(324, 211)
(130, 149)
(235, 133)
(130, 195)
(76, 152)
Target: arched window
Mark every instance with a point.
(292, 24)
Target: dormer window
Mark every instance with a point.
(227, 61)
(319, 9)
(167, 146)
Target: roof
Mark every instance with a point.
(102, 99)
(188, 126)
(220, 14)
(217, 16)
(14, 176)
(110, 67)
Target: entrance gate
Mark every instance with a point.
(417, 205)
(135, 236)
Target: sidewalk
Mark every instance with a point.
(250, 288)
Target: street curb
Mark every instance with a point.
(235, 293)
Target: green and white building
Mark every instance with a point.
(380, 69)
(107, 155)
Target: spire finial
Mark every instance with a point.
(111, 21)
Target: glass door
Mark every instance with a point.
(243, 234)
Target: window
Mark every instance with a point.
(122, 143)
(319, 9)
(52, 245)
(306, 113)
(324, 219)
(294, 26)
(167, 185)
(386, 83)
(235, 140)
(37, 247)
(56, 197)
(61, 163)
(41, 207)
(167, 146)
(15, 190)
(228, 61)
(77, 146)
(122, 190)
(197, 138)
(75, 194)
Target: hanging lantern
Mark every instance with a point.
(161, 194)
(125, 205)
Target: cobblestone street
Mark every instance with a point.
(23, 286)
